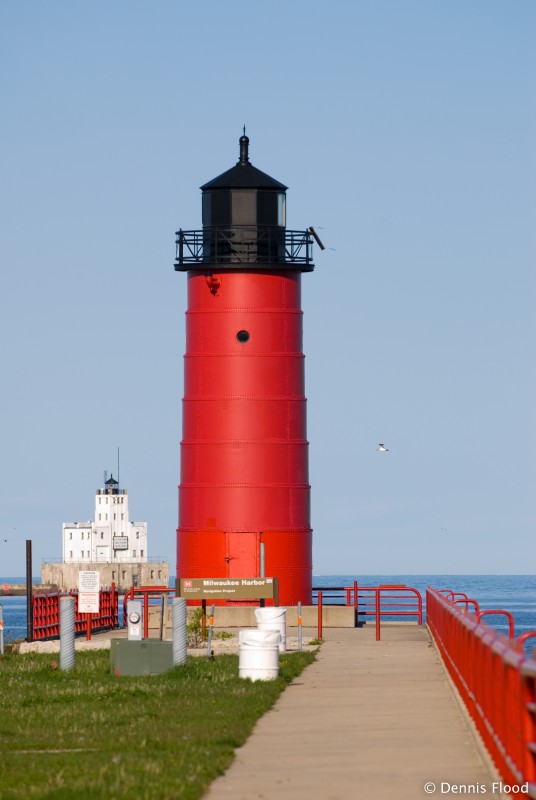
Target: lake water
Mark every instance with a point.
(514, 593)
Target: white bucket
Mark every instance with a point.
(258, 654)
(273, 618)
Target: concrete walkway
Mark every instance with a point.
(367, 720)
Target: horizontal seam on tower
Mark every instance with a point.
(278, 440)
(273, 485)
(245, 310)
(228, 529)
(275, 397)
(257, 354)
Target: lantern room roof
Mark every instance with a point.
(244, 175)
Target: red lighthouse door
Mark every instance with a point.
(242, 554)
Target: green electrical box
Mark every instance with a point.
(148, 657)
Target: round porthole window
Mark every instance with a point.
(243, 336)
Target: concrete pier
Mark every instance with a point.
(375, 720)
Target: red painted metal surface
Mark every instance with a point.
(466, 601)
(392, 600)
(244, 453)
(46, 614)
(522, 638)
(489, 612)
(497, 684)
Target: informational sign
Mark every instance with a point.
(88, 592)
(227, 588)
(120, 542)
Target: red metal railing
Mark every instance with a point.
(385, 600)
(497, 683)
(46, 614)
(467, 600)
(492, 612)
(391, 599)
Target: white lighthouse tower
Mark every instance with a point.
(111, 536)
(111, 544)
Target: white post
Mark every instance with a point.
(179, 631)
(66, 633)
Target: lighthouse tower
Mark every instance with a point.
(244, 495)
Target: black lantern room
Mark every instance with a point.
(244, 224)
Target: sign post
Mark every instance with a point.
(88, 595)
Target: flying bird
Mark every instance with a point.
(382, 448)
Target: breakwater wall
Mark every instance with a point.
(18, 589)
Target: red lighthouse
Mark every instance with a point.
(244, 495)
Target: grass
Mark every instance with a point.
(88, 734)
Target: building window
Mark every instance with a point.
(113, 574)
(122, 516)
(159, 573)
(134, 553)
(124, 573)
(152, 574)
(115, 516)
(106, 516)
(70, 534)
(88, 553)
(99, 517)
(70, 554)
(137, 534)
(141, 553)
(102, 534)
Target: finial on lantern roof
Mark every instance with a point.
(244, 148)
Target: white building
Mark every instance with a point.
(111, 537)
(111, 544)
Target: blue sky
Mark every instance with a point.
(405, 130)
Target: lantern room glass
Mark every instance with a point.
(282, 209)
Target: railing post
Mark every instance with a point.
(146, 615)
(378, 611)
(299, 627)
(319, 615)
(29, 600)
(210, 626)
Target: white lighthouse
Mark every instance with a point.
(111, 536)
(111, 543)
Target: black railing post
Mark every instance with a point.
(29, 597)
